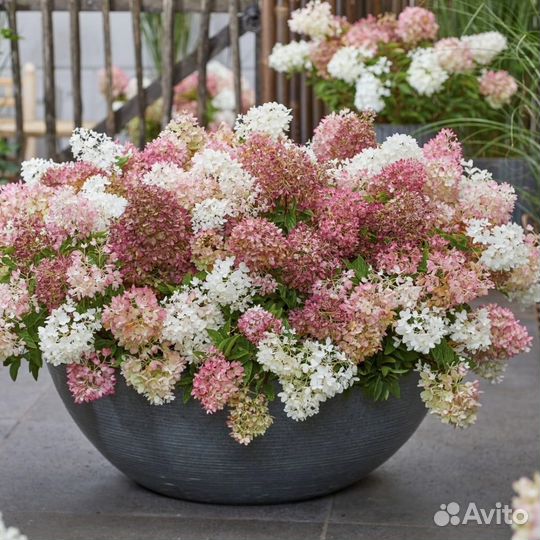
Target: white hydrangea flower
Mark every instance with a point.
(471, 332)
(95, 148)
(235, 184)
(67, 334)
(10, 533)
(526, 297)
(486, 46)
(228, 286)
(425, 74)
(504, 245)
(315, 20)
(210, 214)
(189, 315)
(108, 205)
(370, 93)
(404, 292)
(290, 57)
(309, 372)
(33, 169)
(10, 343)
(224, 100)
(163, 175)
(272, 118)
(348, 63)
(470, 172)
(372, 161)
(421, 330)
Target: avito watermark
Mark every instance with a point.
(450, 514)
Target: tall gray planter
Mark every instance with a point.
(179, 451)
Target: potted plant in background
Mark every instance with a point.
(220, 107)
(230, 317)
(397, 67)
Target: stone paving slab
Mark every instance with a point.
(55, 486)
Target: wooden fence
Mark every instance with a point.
(294, 91)
(243, 17)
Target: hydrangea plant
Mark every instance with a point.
(396, 66)
(234, 265)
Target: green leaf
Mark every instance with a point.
(215, 336)
(14, 368)
(423, 267)
(443, 354)
(248, 370)
(360, 268)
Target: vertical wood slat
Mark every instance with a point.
(234, 28)
(268, 38)
(48, 77)
(16, 75)
(139, 74)
(306, 101)
(202, 58)
(75, 51)
(282, 36)
(167, 60)
(111, 124)
(295, 90)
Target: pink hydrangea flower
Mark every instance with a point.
(498, 87)
(454, 55)
(343, 135)
(370, 31)
(340, 214)
(355, 318)
(256, 322)
(217, 381)
(508, 337)
(487, 199)
(452, 280)
(416, 24)
(258, 243)
(120, 82)
(405, 175)
(86, 279)
(14, 296)
(51, 282)
(309, 259)
(443, 155)
(151, 239)
(284, 171)
(135, 318)
(92, 379)
(70, 174)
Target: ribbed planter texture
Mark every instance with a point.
(516, 172)
(180, 451)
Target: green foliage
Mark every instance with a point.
(443, 355)
(287, 217)
(152, 29)
(380, 375)
(360, 267)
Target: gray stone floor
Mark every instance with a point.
(55, 486)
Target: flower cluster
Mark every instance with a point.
(236, 268)
(393, 65)
(10, 533)
(527, 502)
(221, 107)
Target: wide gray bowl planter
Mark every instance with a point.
(179, 451)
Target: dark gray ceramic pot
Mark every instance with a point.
(179, 451)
